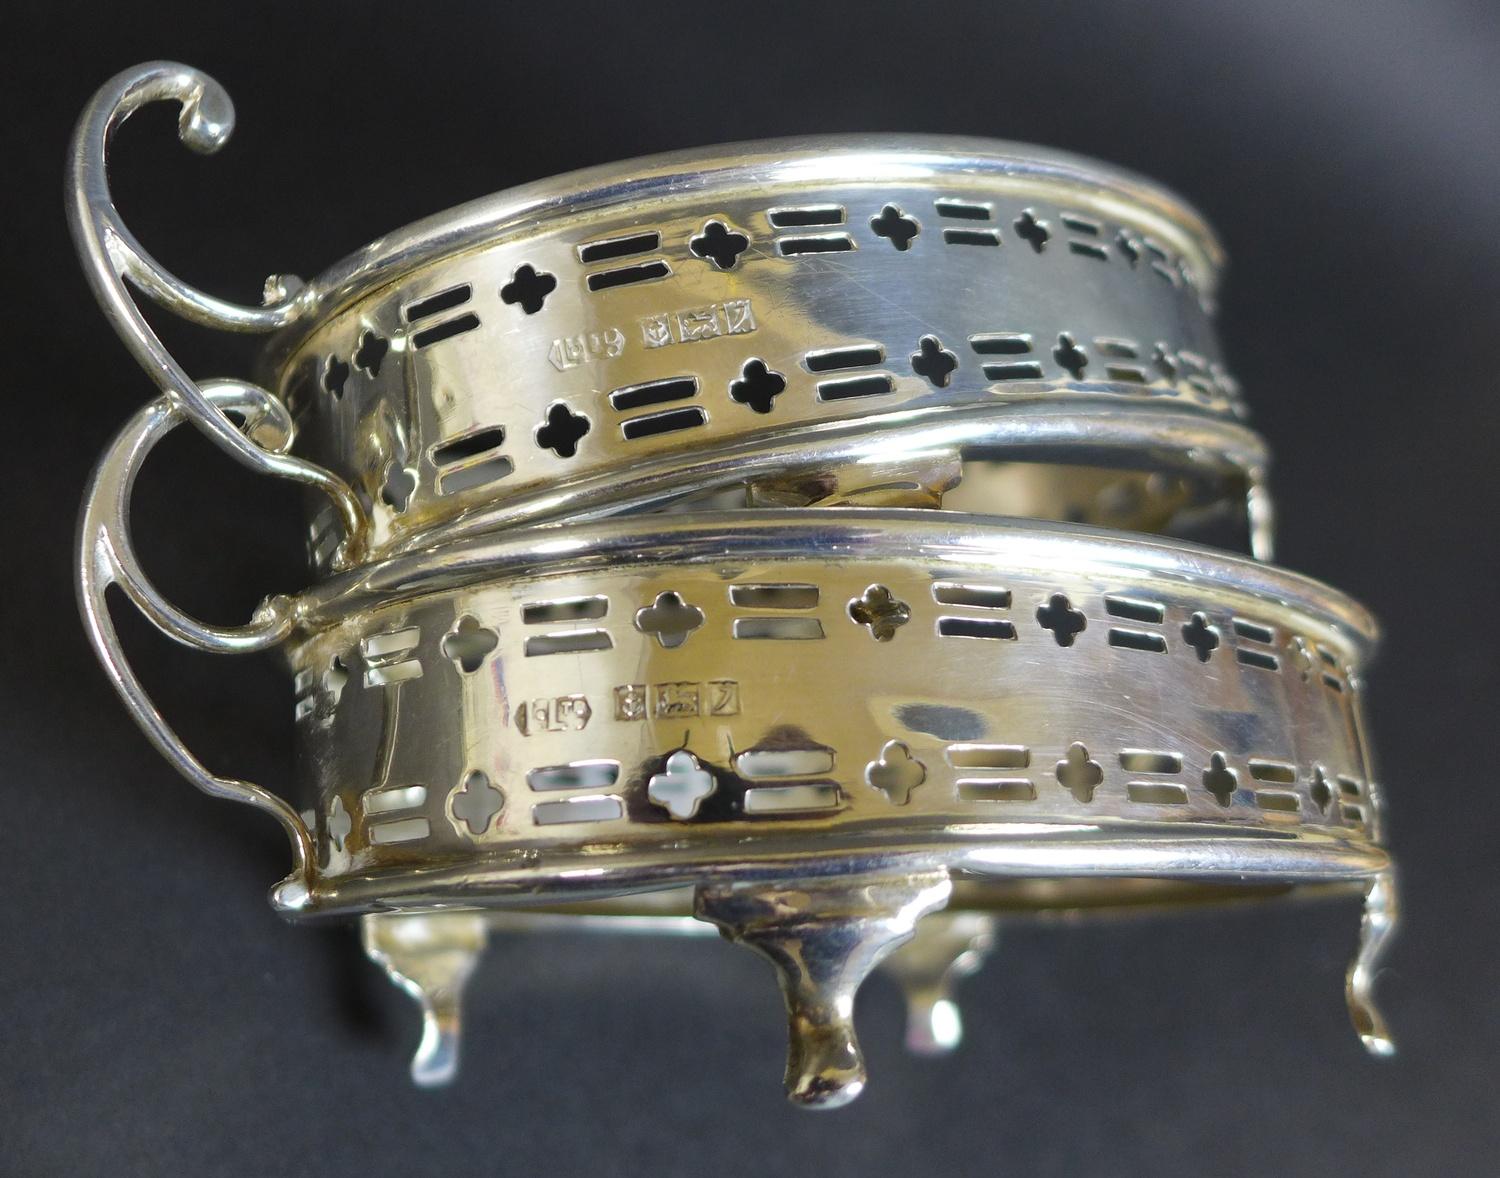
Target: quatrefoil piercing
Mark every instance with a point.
(1070, 356)
(371, 352)
(476, 802)
(562, 430)
(528, 288)
(339, 823)
(1220, 780)
(1079, 774)
(1202, 636)
(880, 611)
(1320, 791)
(719, 244)
(669, 619)
(758, 386)
(1033, 231)
(335, 376)
(933, 361)
(334, 679)
(397, 488)
(895, 226)
(895, 772)
(469, 643)
(682, 785)
(1059, 616)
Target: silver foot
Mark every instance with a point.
(823, 937)
(431, 957)
(1375, 932)
(947, 946)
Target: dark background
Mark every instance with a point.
(157, 1018)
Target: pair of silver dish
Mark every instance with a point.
(789, 538)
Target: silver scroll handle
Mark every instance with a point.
(111, 255)
(106, 557)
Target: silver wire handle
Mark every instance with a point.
(111, 255)
(107, 557)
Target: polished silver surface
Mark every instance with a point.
(693, 700)
(761, 314)
(791, 164)
(824, 937)
(106, 558)
(704, 541)
(431, 955)
(112, 257)
(431, 958)
(641, 332)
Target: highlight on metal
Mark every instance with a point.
(848, 545)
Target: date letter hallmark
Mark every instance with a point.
(587, 346)
(731, 317)
(672, 701)
(721, 697)
(564, 713)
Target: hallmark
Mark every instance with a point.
(670, 701)
(731, 317)
(564, 713)
(570, 351)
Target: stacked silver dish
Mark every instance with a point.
(792, 539)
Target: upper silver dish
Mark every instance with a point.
(805, 322)
(787, 166)
(626, 335)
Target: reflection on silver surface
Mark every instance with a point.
(790, 538)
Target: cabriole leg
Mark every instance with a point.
(431, 956)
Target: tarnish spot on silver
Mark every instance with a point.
(946, 723)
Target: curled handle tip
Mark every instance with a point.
(114, 262)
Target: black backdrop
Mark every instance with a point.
(156, 1017)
